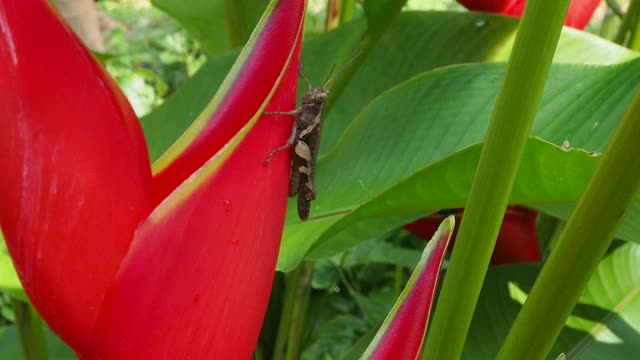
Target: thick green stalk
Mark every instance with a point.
(615, 8)
(515, 109)
(302, 295)
(583, 243)
(347, 11)
(634, 37)
(30, 332)
(398, 283)
(629, 24)
(284, 326)
(294, 308)
(258, 353)
(379, 18)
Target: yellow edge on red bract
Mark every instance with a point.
(199, 123)
(188, 186)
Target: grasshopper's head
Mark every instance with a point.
(317, 96)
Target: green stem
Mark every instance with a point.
(379, 21)
(615, 8)
(258, 353)
(583, 243)
(294, 308)
(29, 326)
(500, 159)
(398, 283)
(629, 24)
(634, 37)
(347, 11)
(284, 326)
(610, 26)
(548, 229)
(303, 294)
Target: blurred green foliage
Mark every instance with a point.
(148, 53)
(353, 292)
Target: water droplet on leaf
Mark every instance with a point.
(480, 23)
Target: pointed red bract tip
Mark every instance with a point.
(251, 86)
(402, 334)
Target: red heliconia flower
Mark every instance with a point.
(403, 332)
(578, 15)
(120, 261)
(517, 240)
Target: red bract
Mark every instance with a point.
(402, 333)
(578, 15)
(123, 265)
(517, 241)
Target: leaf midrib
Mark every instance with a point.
(602, 324)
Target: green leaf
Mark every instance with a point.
(421, 41)
(381, 252)
(416, 42)
(331, 337)
(630, 227)
(368, 185)
(360, 346)
(10, 345)
(204, 19)
(373, 311)
(381, 13)
(242, 17)
(604, 325)
(9, 281)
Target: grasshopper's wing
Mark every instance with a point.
(313, 141)
(302, 169)
(294, 179)
(304, 207)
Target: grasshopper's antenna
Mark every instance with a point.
(329, 77)
(344, 67)
(309, 86)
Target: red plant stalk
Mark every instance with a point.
(123, 264)
(578, 15)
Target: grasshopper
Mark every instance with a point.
(304, 143)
